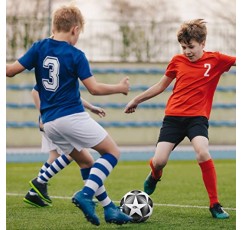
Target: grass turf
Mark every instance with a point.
(180, 201)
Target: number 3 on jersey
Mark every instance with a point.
(52, 64)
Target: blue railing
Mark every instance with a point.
(119, 124)
(133, 88)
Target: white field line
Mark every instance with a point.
(156, 204)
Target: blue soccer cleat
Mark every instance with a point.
(87, 206)
(218, 212)
(114, 215)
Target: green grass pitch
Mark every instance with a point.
(180, 201)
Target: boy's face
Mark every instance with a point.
(193, 50)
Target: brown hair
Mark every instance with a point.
(65, 17)
(192, 30)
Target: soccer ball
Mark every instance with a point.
(137, 204)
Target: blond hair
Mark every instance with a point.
(192, 30)
(65, 17)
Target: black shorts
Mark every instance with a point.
(174, 129)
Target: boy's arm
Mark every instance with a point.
(153, 91)
(96, 88)
(86, 104)
(13, 69)
(94, 109)
(36, 99)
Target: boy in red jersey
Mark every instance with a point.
(197, 73)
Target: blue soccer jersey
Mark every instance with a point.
(58, 68)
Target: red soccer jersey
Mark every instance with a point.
(195, 83)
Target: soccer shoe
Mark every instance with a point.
(218, 212)
(150, 184)
(41, 189)
(34, 200)
(114, 215)
(87, 206)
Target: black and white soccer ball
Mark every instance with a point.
(137, 204)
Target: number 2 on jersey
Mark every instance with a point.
(52, 64)
(208, 67)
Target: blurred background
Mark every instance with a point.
(124, 30)
(122, 37)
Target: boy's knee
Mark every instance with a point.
(202, 155)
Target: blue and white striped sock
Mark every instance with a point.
(44, 167)
(42, 170)
(101, 194)
(60, 163)
(98, 173)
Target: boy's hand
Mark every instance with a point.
(125, 85)
(41, 125)
(99, 111)
(131, 107)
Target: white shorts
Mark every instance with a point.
(77, 131)
(48, 145)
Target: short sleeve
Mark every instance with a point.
(171, 69)
(36, 87)
(28, 60)
(83, 67)
(226, 61)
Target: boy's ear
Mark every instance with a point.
(74, 30)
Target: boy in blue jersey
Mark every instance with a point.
(58, 68)
(57, 161)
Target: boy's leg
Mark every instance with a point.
(157, 163)
(207, 167)
(112, 213)
(32, 196)
(210, 182)
(85, 161)
(47, 146)
(98, 173)
(39, 184)
(101, 194)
